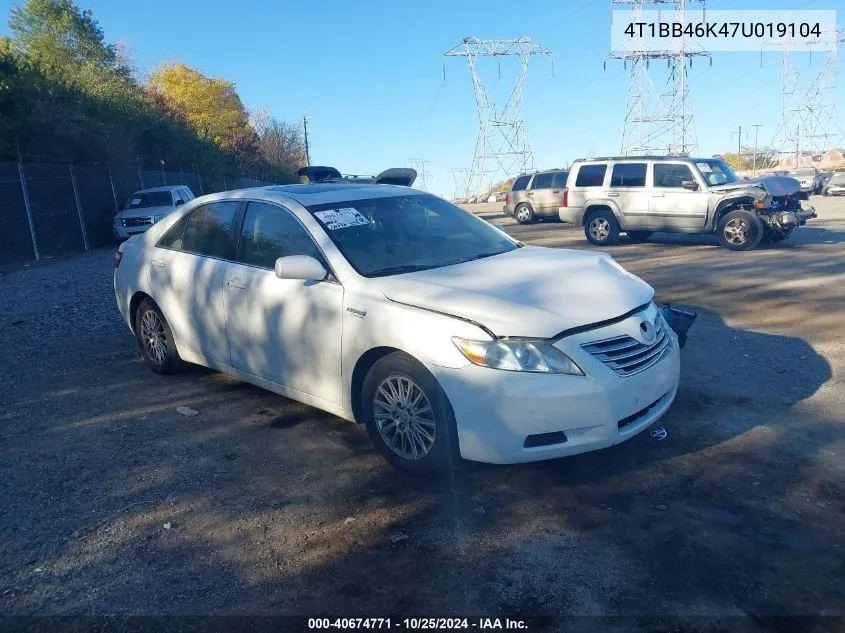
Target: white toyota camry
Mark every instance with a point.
(393, 308)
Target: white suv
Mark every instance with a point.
(641, 195)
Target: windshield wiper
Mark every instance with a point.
(398, 270)
(481, 256)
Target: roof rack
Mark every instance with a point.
(643, 157)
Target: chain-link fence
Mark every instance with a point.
(49, 209)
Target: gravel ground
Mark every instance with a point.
(111, 502)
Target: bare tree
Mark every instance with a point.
(281, 142)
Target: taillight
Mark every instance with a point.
(118, 256)
(565, 201)
(508, 197)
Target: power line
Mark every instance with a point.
(501, 149)
(658, 121)
(419, 164)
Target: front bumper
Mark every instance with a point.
(125, 232)
(496, 411)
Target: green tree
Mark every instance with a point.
(211, 104)
(282, 143)
(66, 42)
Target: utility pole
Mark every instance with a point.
(305, 119)
(757, 127)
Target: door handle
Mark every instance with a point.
(530, 193)
(236, 283)
(658, 195)
(555, 190)
(612, 194)
(157, 263)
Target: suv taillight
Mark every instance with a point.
(118, 256)
(565, 201)
(508, 197)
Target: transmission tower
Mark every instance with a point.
(809, 123)
(501, 149)
(658, 121)
(419, 164)
(459, 177)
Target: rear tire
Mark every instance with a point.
(524, 214)
(408, 416)
(639, 236)
(740, 230)
(155, 339)
(601, 228)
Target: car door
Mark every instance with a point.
(671, 204)
(627, 190)
(186, 277)
(286, 331)
(543, 200)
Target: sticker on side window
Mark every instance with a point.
(335, 219)
(704, 167)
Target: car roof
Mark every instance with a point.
(320, 193)
(606, 158)
(165, 188)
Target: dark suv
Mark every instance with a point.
(536, 195)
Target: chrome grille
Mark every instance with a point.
(626, 355)
(135, 221)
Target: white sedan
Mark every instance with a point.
(393, 308)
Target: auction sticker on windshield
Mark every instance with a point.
(335, 219)
(704, 167)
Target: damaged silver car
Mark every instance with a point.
(641, 195)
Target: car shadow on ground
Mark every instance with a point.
(255, 506)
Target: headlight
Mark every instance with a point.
(517, 355)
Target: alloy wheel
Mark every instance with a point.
(523, 214)
(736, 231)
(404, 417)
(153, 337)
(599, 229)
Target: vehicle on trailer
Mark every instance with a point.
(645, 194)
(146, 207)
(394, 308)
(535, 196)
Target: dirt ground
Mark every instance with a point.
(111, 502)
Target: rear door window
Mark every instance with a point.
(628, 175)
(209, 229)
(591, 176)
(521, 183)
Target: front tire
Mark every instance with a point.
(408, 416)
(601, 228)
(155, 339)
(740, 230)
(524, 214)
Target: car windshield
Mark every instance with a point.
(717, 172)
(837, 179)
(399, 234)
(805, 173)
(144, 199)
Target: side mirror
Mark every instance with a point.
(301, 267)
(178, 202)
(690, 185)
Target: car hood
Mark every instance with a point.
(531, 291)
(775, 186)
(144, 212)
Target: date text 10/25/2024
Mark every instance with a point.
(419, 624)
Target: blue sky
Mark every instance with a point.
(370, 73)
